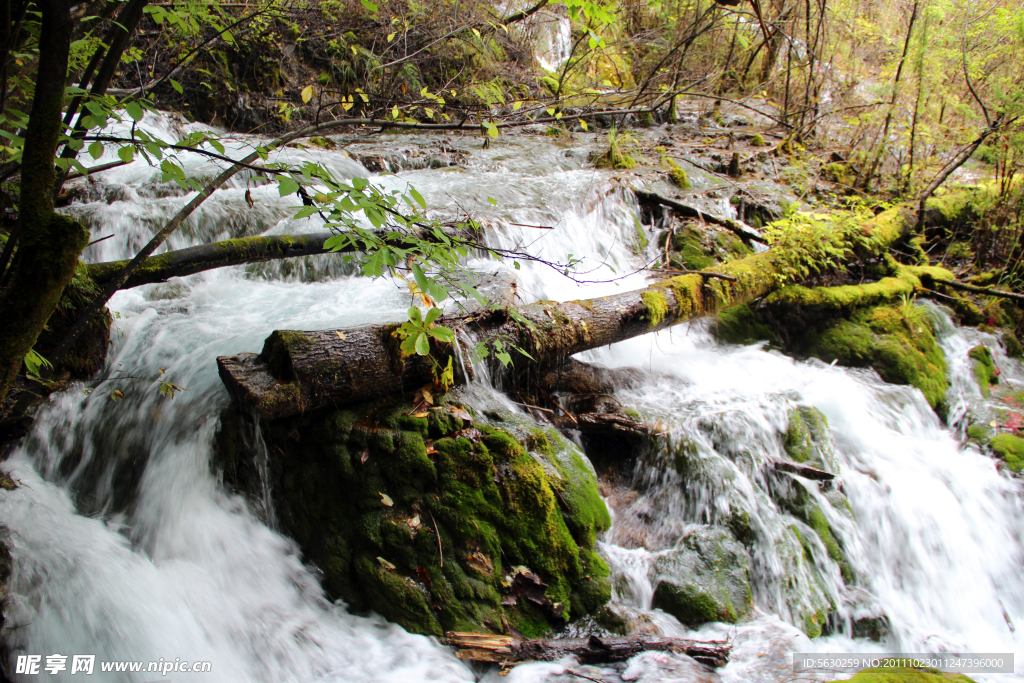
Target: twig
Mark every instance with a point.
(540, 227)
(573, 672)
(527, 405)
(437, 533)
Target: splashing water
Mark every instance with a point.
(128, 547)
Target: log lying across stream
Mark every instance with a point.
(299, 371)
(486, 647)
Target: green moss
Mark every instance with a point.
(979, 433)
(362, 485)
(708, 579)
(739, 325)
(899, 343)
(655, 307)
(678, 177)
(984, 369)
(808, 439)
(1012, 346)
(757, 140)
(1011, 449)
(907, 675)
(817, 521)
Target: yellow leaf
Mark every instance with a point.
(307, 93)
(391, 36)
(394, 113)
(423, 414)
(429, 112)
(384, 498)
(341, 335)
(516, 105)
(583, 124)
(384, 563)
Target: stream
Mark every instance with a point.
(128, 547)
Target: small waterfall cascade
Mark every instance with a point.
(128, 546)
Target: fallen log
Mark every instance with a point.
(486, 647)
(182, 262)
(742, 230)
(298, 371)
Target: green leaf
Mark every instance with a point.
(286, 186)
(177, 87)
(492, 200)
(305, 212)
(370, 6)
(135, 110)
(96, 150)
(418, 197)
(423, 344)
(126, 154)
(415, 315)
(432, 315)
(442, 334)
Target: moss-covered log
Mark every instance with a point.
(299, 371)
(182, 262)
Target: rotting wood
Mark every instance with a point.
(486, 647)
(303, 370)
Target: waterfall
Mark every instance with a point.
(126, 544)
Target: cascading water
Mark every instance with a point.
(126, 546)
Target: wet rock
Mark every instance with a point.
(440, 521)
(708, 579)
(984, 368)
(1010, 449)
(808, 439)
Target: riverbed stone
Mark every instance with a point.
(438, 521)
(808, 439)
(707, 579)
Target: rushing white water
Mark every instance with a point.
(127, 546)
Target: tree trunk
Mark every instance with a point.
(300, 371)
(48, 244)
(486, 647)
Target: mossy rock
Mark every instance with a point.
(707, 580)
(979, 434)
(678, 177)
(740, 325)
(1010, 449)
(984, 369)
(907, 675)
(1012, 345)
(808, 439)
(897, 343)
(88, 354)
(428, 520)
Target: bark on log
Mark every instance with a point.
(182, 262)
(486, 647)
(299, 371)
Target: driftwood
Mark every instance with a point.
(486, 647)
(741, 229)
(299, 371)
(803, 470)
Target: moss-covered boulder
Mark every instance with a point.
(88, 354)
(440, 523)
(907, 675)
(708, 579)
(984, 369)
(1010, 449)
(897, 341)
(808, 439)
